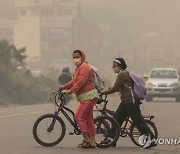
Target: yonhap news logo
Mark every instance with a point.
(145, 141)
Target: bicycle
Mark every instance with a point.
(50, 129)
(128, 128)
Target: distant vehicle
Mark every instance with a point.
(163, 82)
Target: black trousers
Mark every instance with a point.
(133, 111)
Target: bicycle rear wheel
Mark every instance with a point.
(48, 132)
(104, 136)
(135, 133)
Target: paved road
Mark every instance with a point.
(16, 130)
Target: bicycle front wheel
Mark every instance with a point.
(135, 133)
(105, 137)
(48, 130)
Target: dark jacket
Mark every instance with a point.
(121, 79)
(64, 78)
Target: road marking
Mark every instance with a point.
(21, 114)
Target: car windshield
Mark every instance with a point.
(163, 74)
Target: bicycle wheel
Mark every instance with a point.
(46, 133)
(135, 133)
(104, 136)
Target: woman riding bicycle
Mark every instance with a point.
(87, 95)
(127, 107)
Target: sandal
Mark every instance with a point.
(81, 144)
(87, 144)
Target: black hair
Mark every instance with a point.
(123, 63)
(78, 51)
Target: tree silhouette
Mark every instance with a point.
(19, 54)
(8, 52)
(5, 53)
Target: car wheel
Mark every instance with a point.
(177, 98)
(149, 98)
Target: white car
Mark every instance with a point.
(163, 82)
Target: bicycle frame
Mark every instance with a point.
(63, 109)
(49, 129)
(125, 130)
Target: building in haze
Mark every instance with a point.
(6, 29)
(47, 29)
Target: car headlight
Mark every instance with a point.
(151, 84)
(173, 85)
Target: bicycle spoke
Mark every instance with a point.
(44, 134)
(103, 126)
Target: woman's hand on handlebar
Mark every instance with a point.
(68, 92)
(62, 87)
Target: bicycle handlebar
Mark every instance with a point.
(58, 97)
(101, 99)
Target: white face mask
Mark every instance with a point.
(77, 61)
(116, 69)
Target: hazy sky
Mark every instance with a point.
(7, 8)
(143, 14)
(134, 18)
(137, 16)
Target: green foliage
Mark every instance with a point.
(5, 53)
(19, 54)
(19, 87)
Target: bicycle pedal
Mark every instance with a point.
(71, 133)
